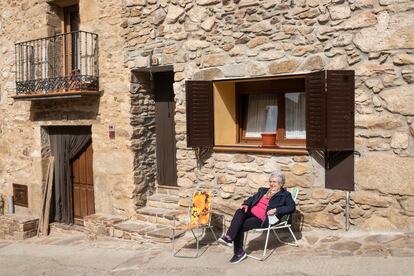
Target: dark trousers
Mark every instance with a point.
(241, 223)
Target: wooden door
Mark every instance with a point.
(71, 24)
(164, 128)
(82, 177)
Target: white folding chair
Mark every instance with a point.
(283, 223)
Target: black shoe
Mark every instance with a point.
(238, 258)
(225, 241)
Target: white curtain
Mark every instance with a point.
(261, 114)
(295, 116)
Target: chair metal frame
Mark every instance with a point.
(203, 228)
(283, 224)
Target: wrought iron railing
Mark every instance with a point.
(64, 62)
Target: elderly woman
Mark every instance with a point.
(254, 212)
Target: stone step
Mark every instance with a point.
(60, 228)
(18, 227)
(135, 230)
(158, 215)
(163, 201)
(167, 190)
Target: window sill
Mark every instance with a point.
(260, 149)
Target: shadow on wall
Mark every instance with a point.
(202, 155)
(65, 109)
(143, 136)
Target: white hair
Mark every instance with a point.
(279, 175)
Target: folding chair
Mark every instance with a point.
(283, 223)
(200, 219)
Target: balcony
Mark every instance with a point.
(60, 66)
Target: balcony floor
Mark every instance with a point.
(56, 95)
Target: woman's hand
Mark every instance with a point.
(271, 212)
(245, 207)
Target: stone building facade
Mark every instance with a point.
(222, 40)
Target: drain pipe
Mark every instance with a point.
(347, 211)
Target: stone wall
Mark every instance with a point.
(218, 39)
(212, 39)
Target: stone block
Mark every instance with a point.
(173, 13)
(234, 70)
(399, 99)
(256, 69)
(270, 165)
(403, 59)
(257, 41)
(255, 180)
(195, 44)
(285, 66)
(322, 220)
(225, 179)
(408, 204)
(214, 60)
(399, 140)
(302, 50)
(338, 12)
(392, 32)
(370, 198)
(378, 143)
(375, 172)
(261, 27)
(408, 73)
(299, 168)
(358, 20)
(320, 193)
(207, 2)
(368, 121)
(208, 74)
(375, 223)
(313, 63)
(158, 16)
(242, 158)
(208, 24)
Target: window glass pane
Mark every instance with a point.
(261, 114)
(295, 115)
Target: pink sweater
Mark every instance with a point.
(259, 210)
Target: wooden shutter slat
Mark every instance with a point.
(340, 110)
(315, 111)
(200, 123)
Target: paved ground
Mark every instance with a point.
(319, 253)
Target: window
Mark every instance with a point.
(311, 111)
(271, 106)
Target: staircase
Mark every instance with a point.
(161, 207)
(155, 219)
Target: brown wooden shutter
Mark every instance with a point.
(200, 123)
(340, 110)
(315, 111)
(339, 170)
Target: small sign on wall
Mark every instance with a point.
(111, 132)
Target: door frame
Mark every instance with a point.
(69, 196)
